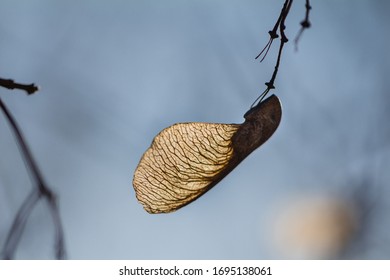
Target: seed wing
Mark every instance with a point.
(181, 164)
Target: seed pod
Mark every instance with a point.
(186, 160)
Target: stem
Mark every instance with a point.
(41, 191)
(10, 84)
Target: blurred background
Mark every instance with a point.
(114, 73)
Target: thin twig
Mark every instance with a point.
(280, 25)
(18, 225)
(283, 39)
(41, 190)
(305, 24)
(10, 84)
(59, 237)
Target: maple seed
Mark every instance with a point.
(186, 160)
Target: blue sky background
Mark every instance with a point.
(114, 73)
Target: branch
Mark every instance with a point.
(305, 24)
(280, 24)
(41, 190)
(10, 84)
(272, 35)
(18, 225)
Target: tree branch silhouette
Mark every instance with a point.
(281, 26)
(10, 84)
(40, 189)
(305, 24)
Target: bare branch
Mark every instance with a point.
(280, 25)
(10, 84)
(41, 190)
(305, 24)
(18, 225)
